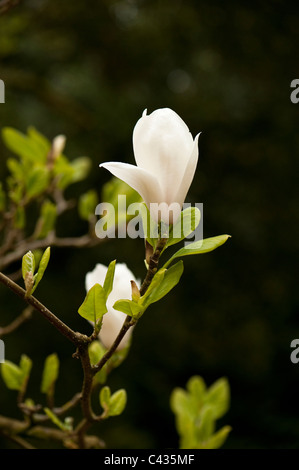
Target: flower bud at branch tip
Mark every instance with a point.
(166, 157)
(58, 145)
(135, 291)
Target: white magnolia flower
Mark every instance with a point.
(166, 156)
(113, 319)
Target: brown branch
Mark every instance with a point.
(84, 241)
(11, 428)
(6, 5)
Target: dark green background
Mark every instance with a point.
(88, 70)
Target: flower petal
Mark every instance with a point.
(139, 179)
(188, 174)
(162, 145)
(97, 276)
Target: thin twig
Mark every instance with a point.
(25, 315)
(76, 338)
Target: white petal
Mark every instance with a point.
(139, 179)
(97, 276)
(111, 326)
(113, 319)
(162, 145)
(189, 173)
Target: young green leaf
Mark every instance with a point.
(50, 373)
(12, 375)
(185, 225)
(128, 307)
(206, 425)
(165, 283)
(218, 397)
(87, 204)
(41, 142)
(96, 352)
(108, 283)
(196, 386)
(55, 420)
(42, 267)
(117, 402)
(47, 220)
(25, 366)
(150, 227)
(37, 182)
(105, 395)
(81, 167)
(28, 264)
(16, 377)
(218, 439)
(201, 246)
(22, 145)
(94, 305)
(19, 219)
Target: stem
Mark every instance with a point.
(25, 315)
(129, 322)
(153, 265)
(51, 239)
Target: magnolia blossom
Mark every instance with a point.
(113, 319)
(166, 156)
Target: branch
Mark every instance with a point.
(51, 240)
(6, 5)
(25, 315)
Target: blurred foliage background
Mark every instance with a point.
(88, 70)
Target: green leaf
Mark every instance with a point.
(117, 402)
(47, 219)
(81, 167)
(50, 373)
(165, 283)
(201, 246)
(16, 377)
(94, 305)
(37, 182)
(12, 375)
(217, 440)
(63, 172)
(16, 169)
(19, 218)
(41, 142)
(25, 366)
(87, 204)
(218, 397)
(105, 395)
(96, 351)
(186, 224)
(55, 420)
(206, 425)
(150, 227)
(42, 267)
(22, 145)
(196, 386)
(108, 283)
(129, 307)
(157, 280)
(28, 264)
